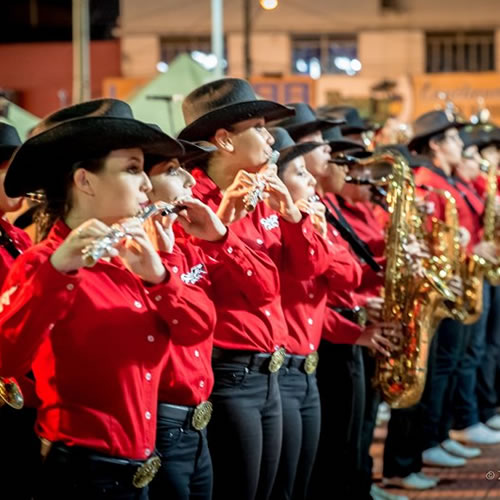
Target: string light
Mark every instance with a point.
(268, 4)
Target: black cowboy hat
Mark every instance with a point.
(80, 132)
(353, 123)
(305, 121)
(482, 136)
(9, 141)
(430, 124)
(338, 142)
(288, 148)
(225, 102)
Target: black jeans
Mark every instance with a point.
(19, 453)
(301, 428)
(487, 396)
(80, 474)
(446, 350)
(245, 432)
(341, 386)
(186, 466)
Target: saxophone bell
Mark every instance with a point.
(10, 393)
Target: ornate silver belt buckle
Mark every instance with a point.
(146, 472)
(277, 360)
(311, 362)
(202, 414)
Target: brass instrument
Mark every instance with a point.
(10, 393)
(409, 299)
(101, 246)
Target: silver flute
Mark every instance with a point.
(255, 195)
(101, 246)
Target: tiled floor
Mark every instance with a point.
(465, 483)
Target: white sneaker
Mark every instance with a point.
(436, 479)
(379, 494)
(410, 482)
(459, 450)
(476, 434)
(494, 423)
(438, 457)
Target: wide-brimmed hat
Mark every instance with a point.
(80, 132)
(9, 141)
(482, 135)
(288, 148)
(305, 121)
(338, 142)
(225, 102)
(353, 123)
(430, 124)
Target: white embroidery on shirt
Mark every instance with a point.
(271, 222)
(194, 275)
(5, 298)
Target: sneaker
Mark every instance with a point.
(436, 479)
(410, 482)
(476, 434)
(379, 494)
(438, 457)
(459, 450)
(494, 423)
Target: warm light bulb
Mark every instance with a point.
(269, 4)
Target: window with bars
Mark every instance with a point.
(460, 51)
(327, 53)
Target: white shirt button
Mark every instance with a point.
(335, 233)
(147, 452)
(175, 321)
(197, 353)
(305, 231)
(148, 376)
(202, 383)
(147, 415)
(311, 346)
(70, 286)
(51, 326)
(151, 338)
(311, 251)
(310, 321)
(175, 269)
(259, 241)
(137, 304)
(311, 295)
(230, 250)
(158, 298)
(249, 273)
(267, 313)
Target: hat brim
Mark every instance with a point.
(302, 129)
(6, 152)
(418, 140)
(290, 153)
(48, 155)
(206, 125)
(343, 144)
(354, 129)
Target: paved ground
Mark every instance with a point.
(465, 483)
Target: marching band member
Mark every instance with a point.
(95, 337)
(245, 433)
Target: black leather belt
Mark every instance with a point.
(306, 364)
(251, 359)
(357, 314)
(135, 472)
(190, 417)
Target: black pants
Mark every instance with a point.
(186, 466)
(245, 432)
(341, 386)
(19, 453)
(80, 474)
(301, 427)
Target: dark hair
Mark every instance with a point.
(58, 197)
(425, 149)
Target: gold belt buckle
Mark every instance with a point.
(202, 414)
(277, 359)
(146, 472)
(311, 362)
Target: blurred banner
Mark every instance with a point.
(464, 89)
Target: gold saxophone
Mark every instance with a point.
(409, 299)
(10, 393)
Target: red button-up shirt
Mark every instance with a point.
(469, 218)
(258, 323)
(97, 342)
(221, 269)
(20, 240)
